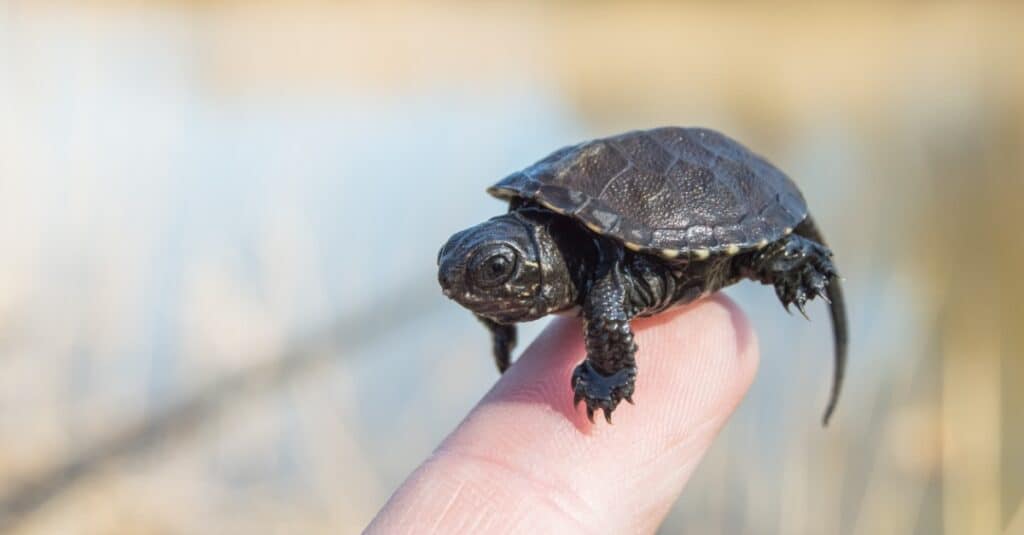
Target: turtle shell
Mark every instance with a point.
(688, 192)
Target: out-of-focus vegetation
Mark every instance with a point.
(209, 210)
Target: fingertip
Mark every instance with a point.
(695, 364)
(699, 358)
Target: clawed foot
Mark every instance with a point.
(803, 271)
(600, 391)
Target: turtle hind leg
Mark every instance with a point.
(837, 309)
(800, 268)
(503, 341)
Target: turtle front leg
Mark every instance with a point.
(607, 376)
(503, 341)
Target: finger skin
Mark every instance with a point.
(526, 459)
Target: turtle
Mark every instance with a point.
(629, 225)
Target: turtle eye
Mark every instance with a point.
(493, 266)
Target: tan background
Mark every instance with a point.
(219, 220)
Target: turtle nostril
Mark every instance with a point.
(446, 283)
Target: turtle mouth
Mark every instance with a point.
(496, 310)
(504, 311)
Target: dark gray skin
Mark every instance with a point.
(548, 256)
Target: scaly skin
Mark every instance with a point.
(800, 270)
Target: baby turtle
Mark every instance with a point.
(629, 226)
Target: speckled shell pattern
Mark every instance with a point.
(674, 192)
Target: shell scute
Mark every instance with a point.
(669, 191)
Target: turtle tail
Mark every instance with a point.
(837, 309)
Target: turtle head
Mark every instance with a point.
(507, 269)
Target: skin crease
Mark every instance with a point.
(525, 460)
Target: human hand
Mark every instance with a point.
(526, 461)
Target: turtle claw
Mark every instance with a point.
(600, 391)
(801, 294)
(785, 296)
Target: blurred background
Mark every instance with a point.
(219, 222)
